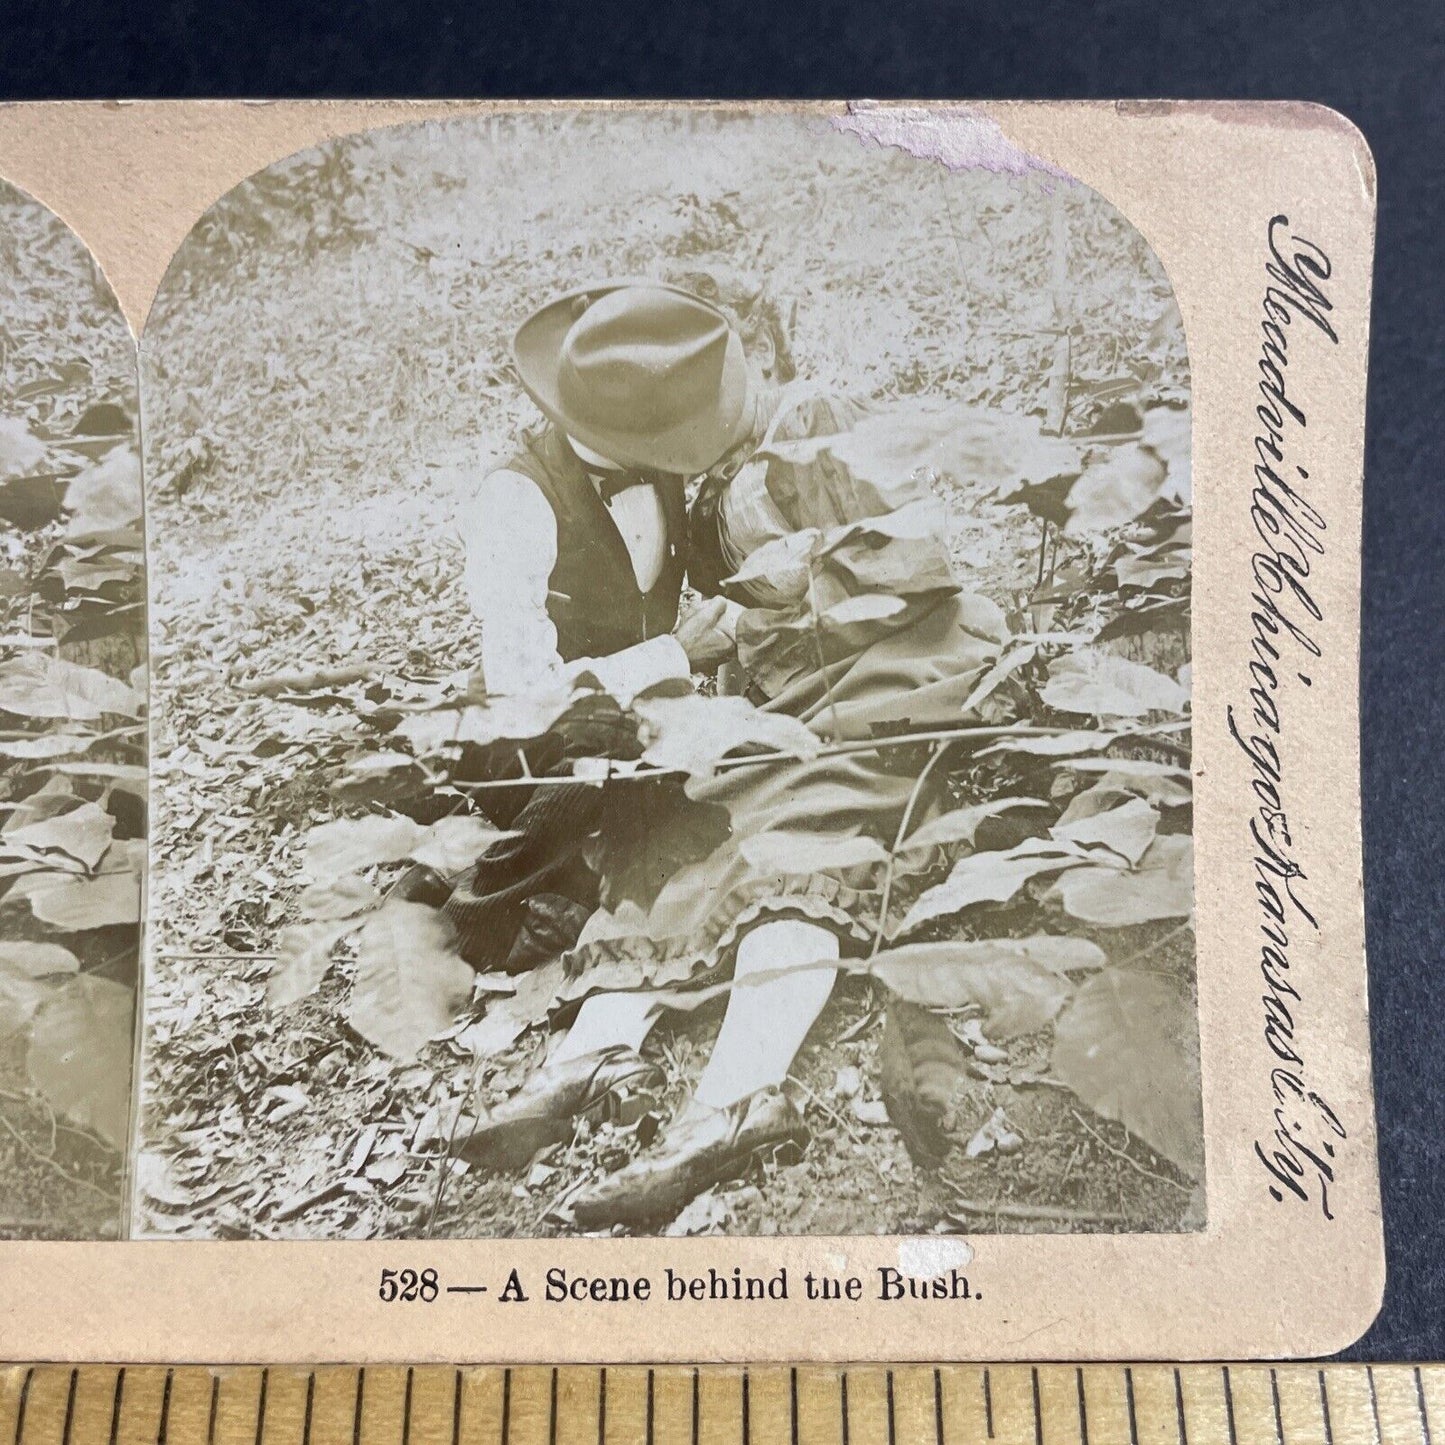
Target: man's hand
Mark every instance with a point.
(703, 634)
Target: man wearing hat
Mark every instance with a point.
(576, 554)
(577, 551)
(577, 546)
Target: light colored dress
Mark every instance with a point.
(677, 912)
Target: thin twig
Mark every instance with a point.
(1126, 1157)
(832, 750)
(1163, 942)
(229, 955)
(72, 1179)
(843, 1124)
(54, 1125)
(559, 1200)
(444, 1164)
(887, 891)
(1004, 1210)
(298, 1207)
(818, 646)
(34, 1101)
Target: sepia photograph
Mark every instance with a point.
(670, 696)
(72, 732)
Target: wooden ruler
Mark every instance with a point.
(676, 1405)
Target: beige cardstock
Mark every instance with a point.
(1266, 1276)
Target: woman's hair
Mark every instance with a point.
(751, 307)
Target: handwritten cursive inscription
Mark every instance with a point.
(1298, 1148)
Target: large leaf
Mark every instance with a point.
(973, 444)
(351, 844)
(37, 684)
(1127, 830)
(83, 833)
(1162, 784)
(303, 955)
(410, 982)
(1092, 681)
(127, 777)
(960, 825)
(922, 519)
(899, 552)
(693, 732)
(647, 833)
(79, 1057)
(20, 452)
(1162, 886)
(1019, 983)
(25, 969)
(533, 996)
(107, 496)
(1149, 569)
(1167, 617)
(384, 778)
(1013, 659)
(494, 1034)
(452, 844)
(37, 960)
(514, 718)
(1051, 745)
(1093, 801)
(801, 853)
(20, 997)
(1127, 1045)
(44, 745)
(345, 847)
(30, 503)
(991, 878)
(84, 575)
(870, 607)
(65, 901)
(1113, 492)
(783, 563)
(342, 897)
(1166, 432)
(48, 801)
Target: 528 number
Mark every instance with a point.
(407, 1285)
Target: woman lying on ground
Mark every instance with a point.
(907, 662)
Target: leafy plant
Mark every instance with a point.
(1114, 860)
(1125, 1045)
(1064, 844)
(72, 733)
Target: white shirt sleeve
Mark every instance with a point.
(511, 541)
(633, 670)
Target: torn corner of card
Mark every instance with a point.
(631, 757)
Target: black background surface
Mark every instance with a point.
(1383, 66)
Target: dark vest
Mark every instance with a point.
(593, 598)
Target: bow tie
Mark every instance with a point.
(610, 484)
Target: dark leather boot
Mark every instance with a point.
(703, 1148)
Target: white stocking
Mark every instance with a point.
(766, 1023)
(608, 1021)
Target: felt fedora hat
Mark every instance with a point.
(646, 374)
